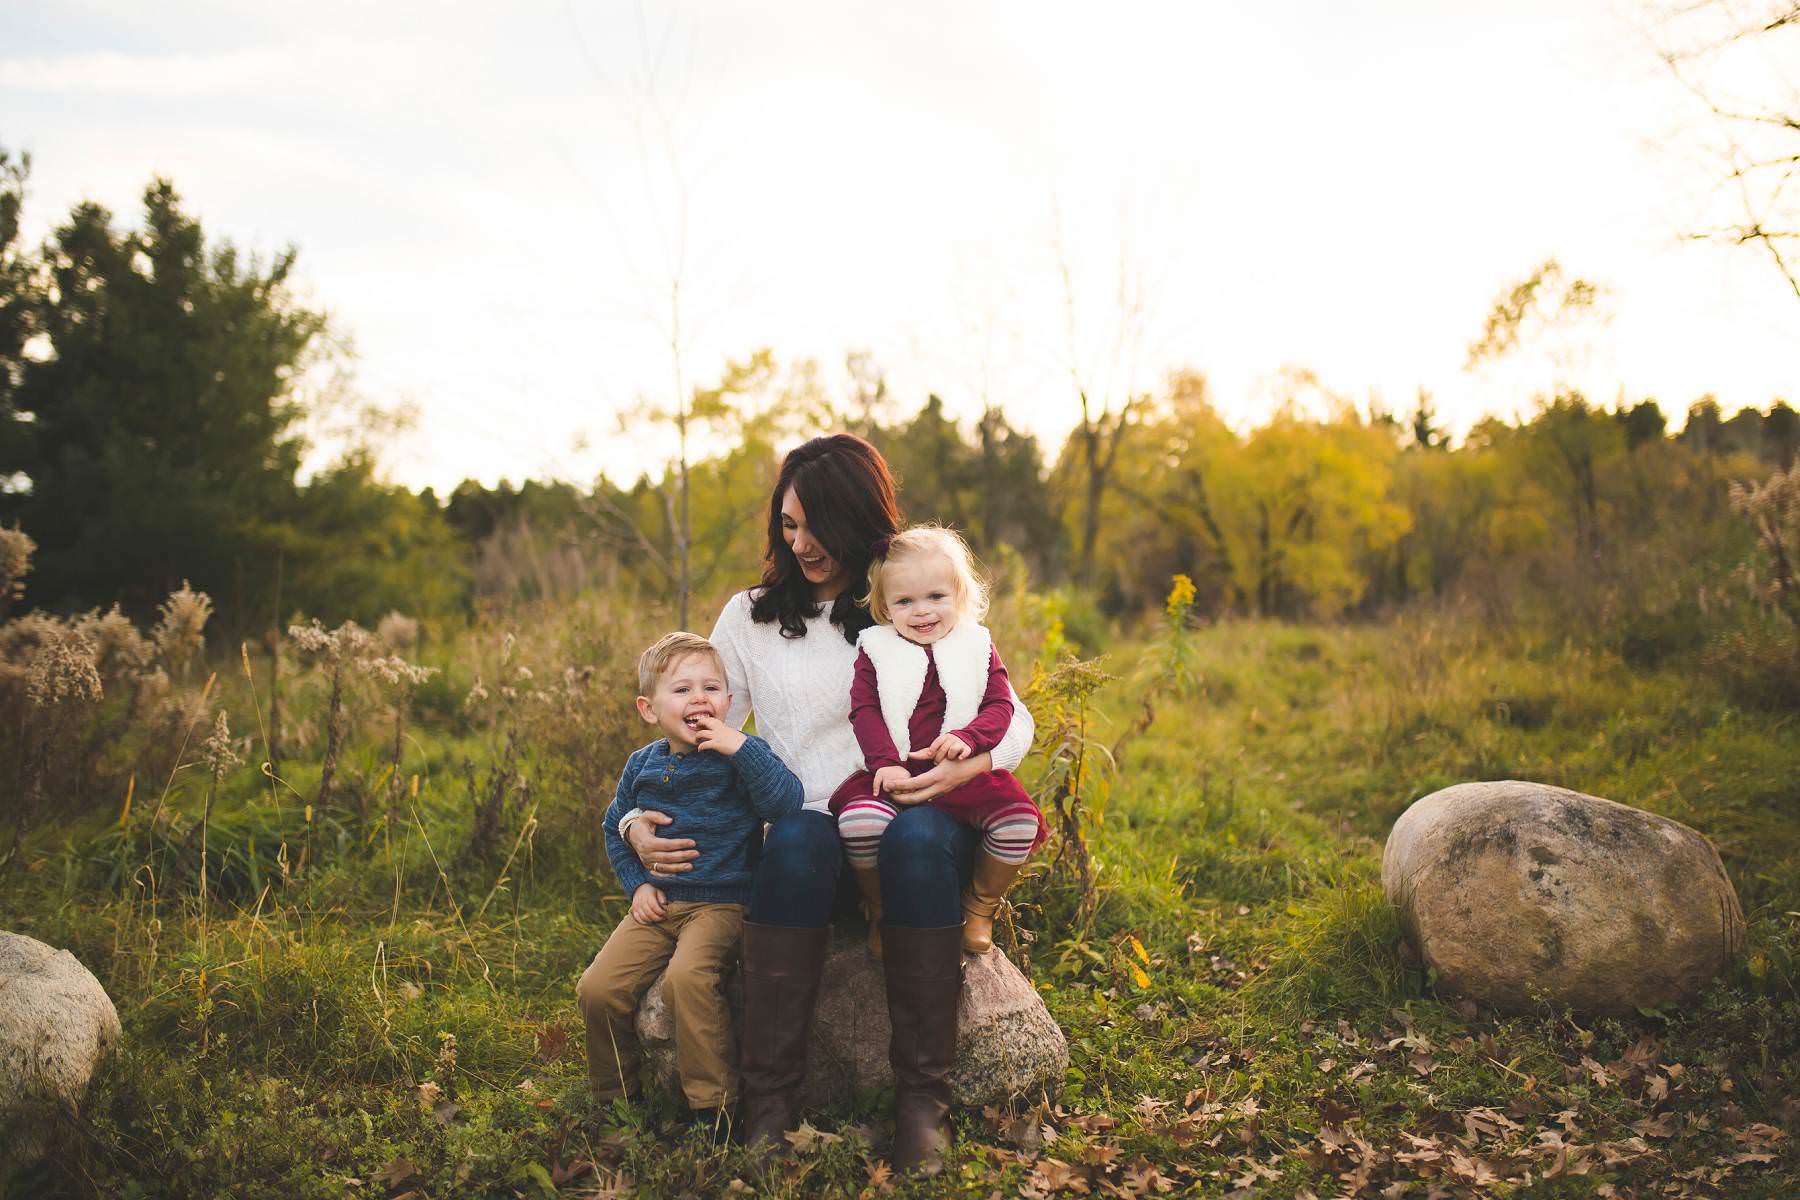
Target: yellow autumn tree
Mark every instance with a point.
(1304, 507)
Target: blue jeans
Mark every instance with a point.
(926, 857)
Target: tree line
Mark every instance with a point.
(154, 387)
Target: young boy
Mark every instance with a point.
(719, 785)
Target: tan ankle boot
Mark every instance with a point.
(868, 881)
(981, 901)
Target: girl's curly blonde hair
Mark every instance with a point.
(918, 541)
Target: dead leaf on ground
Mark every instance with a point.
(881, 1179)
(1663, 1125)
(552, 1041)
(1600, 1075)
(808, 1140)
(1757, 1136)
(575, 1168)
(1051, 1176)
(398, 1170)
(1142, 1177)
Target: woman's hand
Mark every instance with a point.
(940, 779)
(660, 856)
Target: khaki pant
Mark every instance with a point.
(697, 941)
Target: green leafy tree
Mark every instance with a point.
(1012, 504)
(988, 483)
(17, 301)
(1161, 517)
(1705, 426)
(933, 466)
(359, 548)
(683, 548)
(1571, 442)
(1780, 435)
(1643, 422)
(153, 437)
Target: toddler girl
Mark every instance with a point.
(929, 686)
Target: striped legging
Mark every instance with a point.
(1008, 832)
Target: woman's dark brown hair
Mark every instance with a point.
(844, 485)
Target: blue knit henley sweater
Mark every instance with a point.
(721, 802)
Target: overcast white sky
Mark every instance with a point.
(1338, 187)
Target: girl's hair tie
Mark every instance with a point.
(880, 547)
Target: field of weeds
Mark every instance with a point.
(363, 984)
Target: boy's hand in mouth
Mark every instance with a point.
(710, 733)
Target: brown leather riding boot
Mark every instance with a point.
(781, 971)
(868, 881)
(981, 900)
(923, 968)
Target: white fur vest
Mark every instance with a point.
(962, 657)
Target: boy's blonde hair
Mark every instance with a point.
(670, 649)
(920, 540)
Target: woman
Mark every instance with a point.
(790, 651)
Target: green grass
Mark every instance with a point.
(1276, 1029)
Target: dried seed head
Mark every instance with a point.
(16, 548)
(334, 645)
(181, 633)
(152, 690)
(22, 639)
(121, 649)
(180, 711)
(217, 751)
(397, 632)
(65, 669)
(394, 670)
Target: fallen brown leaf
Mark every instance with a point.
(397, 1171)
(808, 1140)
(552, 1041)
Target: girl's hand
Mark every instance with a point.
(887, 777)
(717, 735)
(647, 904)
(947, 746)
(940, 779)
(660, 856)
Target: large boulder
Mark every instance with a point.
(1007, 1044)
(1517, 893)
(56, 1024)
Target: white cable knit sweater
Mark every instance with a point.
(799, 689)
